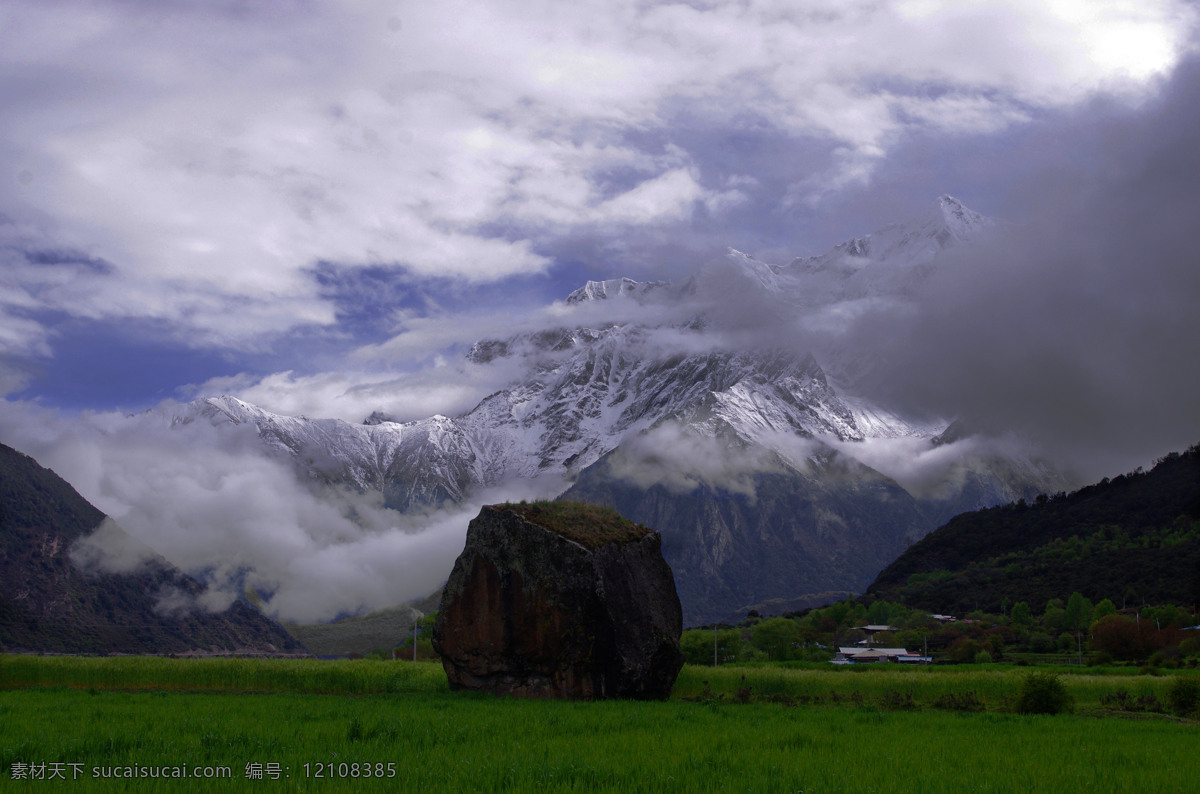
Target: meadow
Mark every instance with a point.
(306, 725)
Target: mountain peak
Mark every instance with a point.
(613, 288)
(959, 220)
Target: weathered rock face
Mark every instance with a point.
(544, 602)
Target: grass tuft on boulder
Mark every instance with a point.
(591, 526)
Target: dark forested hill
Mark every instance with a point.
(1135, 538)
(47, 603)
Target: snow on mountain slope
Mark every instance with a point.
(423, 463)
(614, 287)
(874, 262)
(564, 420)
(587, 388)
(886, 265)
(598, 400)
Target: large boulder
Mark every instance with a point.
(560, 600)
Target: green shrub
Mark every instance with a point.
(1184, 696)
(1041, 643)
(983, 657)
(1167, 657)
(1043, 693)
(898, 701)
(959, 701)
(1123, 701)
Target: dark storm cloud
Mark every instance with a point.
(1080, 328)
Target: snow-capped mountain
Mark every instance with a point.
(425, 463)
(752, 461)
(615, 287)
(890, 263)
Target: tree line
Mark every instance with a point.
(1074, 628)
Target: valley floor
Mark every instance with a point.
(320, 726)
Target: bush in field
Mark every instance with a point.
(959, 701)
(898, 701)
(1184, 696)
(1043, 693)
(1123, 701)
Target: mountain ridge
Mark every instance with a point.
(56, 598)
(599, 405)
(1137, 534)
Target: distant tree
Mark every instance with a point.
(776, 637)
(1170, 615)
(1021, 614)
(423, 636)
(697, 646)
(1118, 637)
(1054, 620)
(838, 611)
(1079, 612)
(879, 613)
(997, 638)
(824, 622)
(1103, 610)
(966, 649)
(1041, 643)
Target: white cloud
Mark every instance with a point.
(918, 465)
(213, 155)
(437, 378)
(352, 396)
(682, 460)
(210, 501)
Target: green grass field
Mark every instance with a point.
(768, 729)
